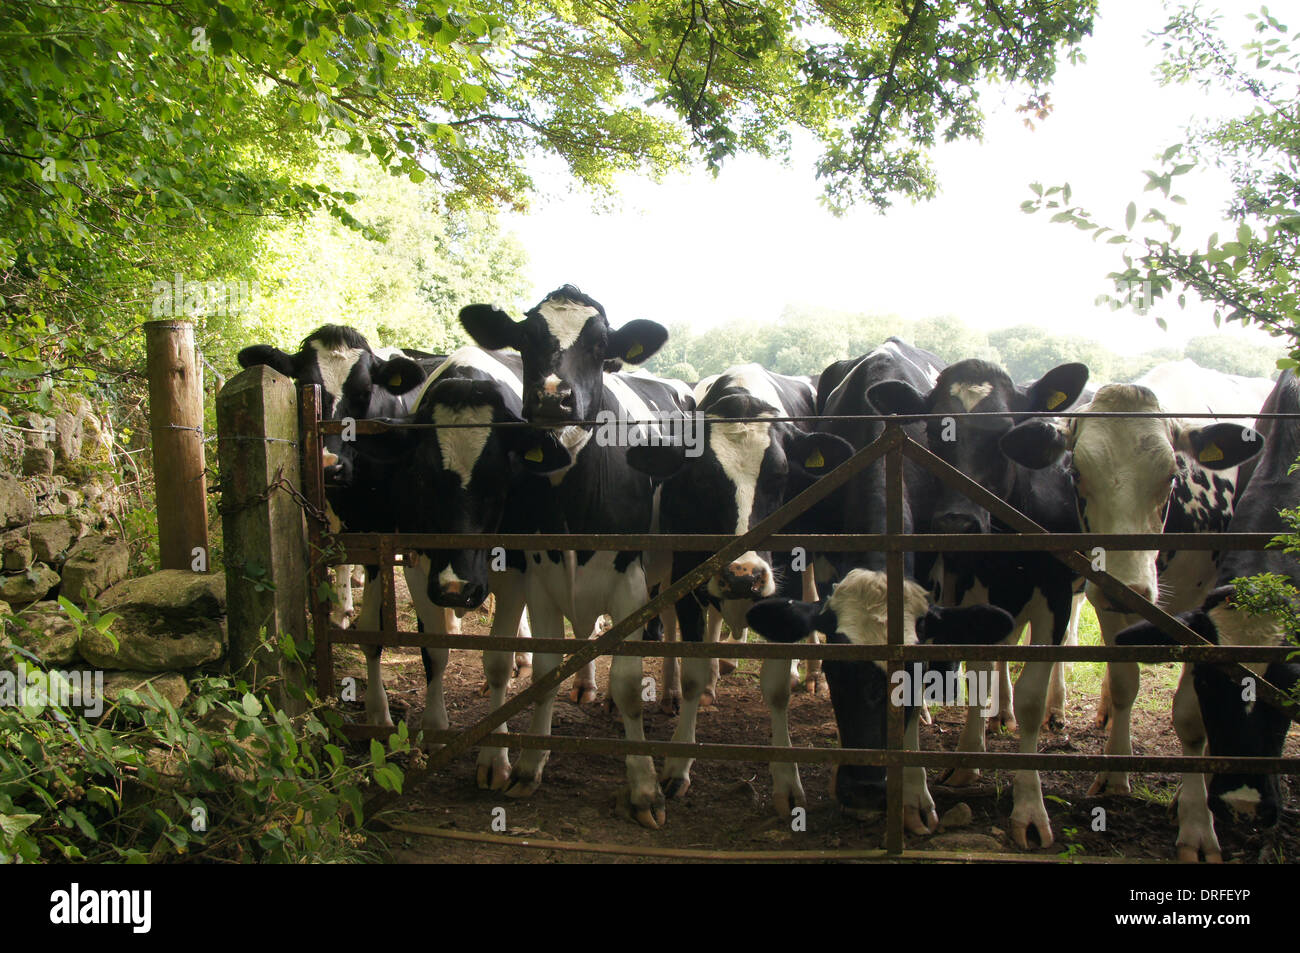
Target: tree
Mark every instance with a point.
(1232, 355)
(1251, 277)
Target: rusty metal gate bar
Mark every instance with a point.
(893, 445)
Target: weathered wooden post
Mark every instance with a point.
(176, 428)
(262, 523)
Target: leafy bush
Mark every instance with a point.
(227, 777)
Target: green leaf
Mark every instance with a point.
(1130, 215)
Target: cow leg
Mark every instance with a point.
(435, 660)
(341, 612)
(814, 680)
(1056, 691)
(695, 672)
(1195, 822)
(1120, 689)
(713, 634)
(919, 815)
(1103, 701)
(493, 762)
(670, 695)
(368, 620)
(646, 801)
(972, 734)
(787, 791)
(547, 616)
(1030, 703)
(584, 690)
(1005, 717)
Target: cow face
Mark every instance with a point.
(855, 614)
(373, 389)
(972, 445)
(1127, 469)
(462, 474)
(738, 480)
(565, 343)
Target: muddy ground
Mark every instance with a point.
(729, 804)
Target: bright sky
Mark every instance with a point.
(746, 244)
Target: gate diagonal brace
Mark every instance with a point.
(593, 648)
(1116, 590)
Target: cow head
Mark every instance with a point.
(855, 614)
(972, 445)
(738, 480)
(461, 476)
(565, 342)
(354, 381)
(1127, 469)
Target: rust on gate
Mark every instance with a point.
(892, 446)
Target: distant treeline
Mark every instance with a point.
(804, 340)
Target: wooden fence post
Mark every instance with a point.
(176, 428)
(262, 523)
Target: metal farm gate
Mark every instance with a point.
(893, 446)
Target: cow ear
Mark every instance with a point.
(1035, 443)
(397, 375)
(968, 625)
(1219, 446)
(636, 342)
(816, 454)
(491, 328)
(539, 451)
(895, 397)
(785, 620)
(272, 357)
(659, 462)
(1058, 388)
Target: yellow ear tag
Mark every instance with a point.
(816, 461)
(534, 455)
(634, 351)
(1210, 454)
(1056, 400)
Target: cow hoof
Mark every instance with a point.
(494, 775)
(1055, 723)
(524, 781)
(959, 777)
(926, 717)
(651, 814)
(379, 720)
(1002, 722)
(1101, 719)
(484, 690)
(582, 694)
(670, 703)
(914, 822)
(428, 746)
(1020, 829)
(1189, 854)
(523, 665)
(726, 666)
(676, 787)
(1104, 785)
(816, 684)
(709, 698)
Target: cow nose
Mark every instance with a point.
(458, 594)
(555, 399)
(743, 580)
(1144, 589)
(955, 523)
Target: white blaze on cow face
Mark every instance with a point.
(969, 395)
(1125, 467)
(756, 382)
(566, 319)
(462, 446)
(739, 449)
(335, 366)
(551, 385)
(860, 606)
(449, 582)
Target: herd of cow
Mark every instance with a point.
(563, 363)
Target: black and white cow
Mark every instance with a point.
(737, 477)
(564, 342)
(463, 477)
(1034, 587)
(375, 382)
(855, 614)
(1211, 712)
(1146, 475)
